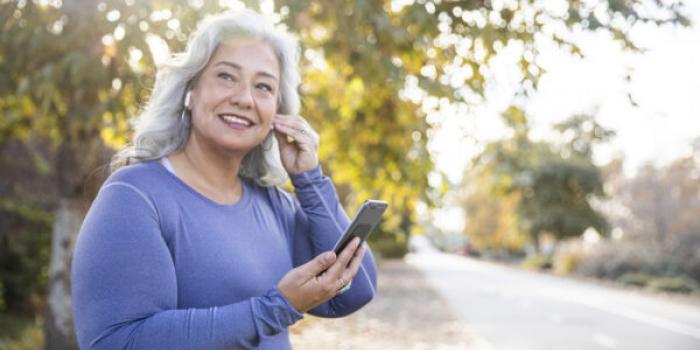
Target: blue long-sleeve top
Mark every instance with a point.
(157, 265)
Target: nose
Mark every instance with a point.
(242, 97)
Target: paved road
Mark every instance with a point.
(512, 309)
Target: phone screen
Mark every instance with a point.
(367, 219)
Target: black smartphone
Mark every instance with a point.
(366, 220)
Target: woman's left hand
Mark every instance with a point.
(301, 154)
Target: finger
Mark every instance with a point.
(351, 271)
(291, 119)
(282, 138)
(295, 122)
(317, 265)
(293, 132)
(342, 261)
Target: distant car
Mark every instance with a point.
(469, 250)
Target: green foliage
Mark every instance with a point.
(552, 185)
(25, 225)
(676, 284)
(493, 222)
(24, 256)
(537, 262)
(636, 279)
(673, 284)
(360, 56)
(373, 142)
(387, 247)
(556, 197)
(74, 74)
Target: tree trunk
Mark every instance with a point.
(536, 244)
(58, 329)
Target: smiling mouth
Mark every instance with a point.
(235, 120)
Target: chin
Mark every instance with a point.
(238, 147)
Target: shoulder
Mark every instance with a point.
(145, 180)
(140, 174)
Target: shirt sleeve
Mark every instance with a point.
(319, 221)
(125, 289)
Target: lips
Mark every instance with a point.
(236, 120)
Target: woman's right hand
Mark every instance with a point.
(306, 286)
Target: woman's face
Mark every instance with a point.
(235, 98)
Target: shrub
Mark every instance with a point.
(670, 268)
(677, 284)
(635, 279)
(614, 260)
(566, 262)
(24, 260)
(21, 332)
(387, 247)
(537, 262)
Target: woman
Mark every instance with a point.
(192, 245)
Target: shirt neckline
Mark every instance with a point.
(164, 165)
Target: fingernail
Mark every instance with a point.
(328, 257)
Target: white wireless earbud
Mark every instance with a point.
(187, 105)
(187, 98)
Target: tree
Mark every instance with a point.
(655, 215)
(492, 223)
(563, 182)
(71, 73)
(363, 57)
(552, 185)
(557, 200)
(660, 203)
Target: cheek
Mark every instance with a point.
(267, 108)
(205, 101)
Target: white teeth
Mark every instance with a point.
(234, 119)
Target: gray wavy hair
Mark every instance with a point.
(160, 130)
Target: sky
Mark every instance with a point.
(665, 84)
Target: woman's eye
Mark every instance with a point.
(226, 76)
(265, 87)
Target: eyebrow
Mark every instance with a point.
(238, 67)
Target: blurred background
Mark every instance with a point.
(555, 136)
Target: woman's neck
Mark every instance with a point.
(209, 171)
